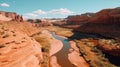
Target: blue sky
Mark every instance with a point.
(55, 8)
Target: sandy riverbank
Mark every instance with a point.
(56, 45)
(74, 56)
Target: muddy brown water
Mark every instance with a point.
(62, 55)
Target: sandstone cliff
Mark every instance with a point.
(79, 19)
(10, 16)
(107, 16)
(106, 23)
(17, 49)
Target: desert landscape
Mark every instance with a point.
(89, 39)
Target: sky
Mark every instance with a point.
(55, 8)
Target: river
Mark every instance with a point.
(62, 55)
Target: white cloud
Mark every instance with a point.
(39, 12)
(5, 5)
(32, 14)
(61, 11)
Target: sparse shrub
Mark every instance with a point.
(44, 43)
(1, 33)
(5, 36)
(45, 48)
(94, 49)
(97, 64)
(1, 46)
(14, 34)
(12, 31)
(94, 56)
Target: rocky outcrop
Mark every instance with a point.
(11, 15)
(3, 18)
(17, 49)
(79, 19)
(25, 27)
(41, 22)
(105, 22)
(34, 20)
(107, 16)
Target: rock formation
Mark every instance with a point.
(106, 23)
(79, 19)
(41, 22)
(11, 16)
(17, 49)
(106, 16)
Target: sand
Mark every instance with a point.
(53, 62)
(74, 56)
(56, 46)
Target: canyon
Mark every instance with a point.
(80, 40)
(105, 22)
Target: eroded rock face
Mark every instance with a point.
(11, 15)
(107, 16)
(79, 19)
(18, 49)
(105, 22)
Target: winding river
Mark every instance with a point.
(62, 55)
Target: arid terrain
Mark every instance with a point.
(86, 40)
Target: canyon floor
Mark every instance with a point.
(28, 46)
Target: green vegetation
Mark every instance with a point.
(44, 41)
(93, 55)
(59, 31)
(111, 43)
